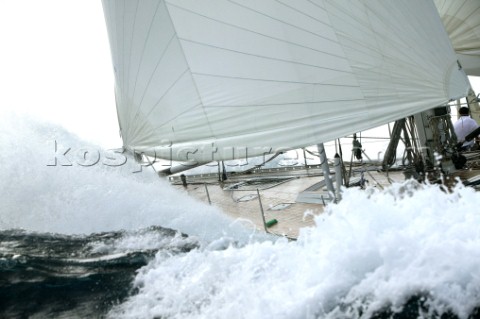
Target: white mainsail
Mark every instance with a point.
(223, 79)
(462, 22)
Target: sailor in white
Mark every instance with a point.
(463, 126)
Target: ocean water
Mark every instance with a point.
(44, 275)
(83, 237)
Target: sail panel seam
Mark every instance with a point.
(282, 104)
(143, 50)
(127, 89)
(154, 72)
(258, 33)
(270, 80)
(262, 57)
(281, 21)
(189, 67)
(166, 92)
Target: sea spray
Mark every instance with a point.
(76, 222)
(411, 250)
(52, 181)
(374, 254)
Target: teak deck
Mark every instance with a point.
(279, 190)
(278, 202)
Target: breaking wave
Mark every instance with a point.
(405, 252)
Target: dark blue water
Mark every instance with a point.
(45, 275)
(58, 276)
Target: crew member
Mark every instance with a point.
(463, 126)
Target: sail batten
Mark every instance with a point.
(202, 81)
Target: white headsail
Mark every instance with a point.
(462, 21)
(222, 79)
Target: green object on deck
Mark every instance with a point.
(271, 222)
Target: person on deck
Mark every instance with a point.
(463, 126)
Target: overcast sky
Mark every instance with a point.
(55, 64)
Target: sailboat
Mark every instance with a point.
(225, 81)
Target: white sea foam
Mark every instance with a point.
(374, 249)
(37, 196)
